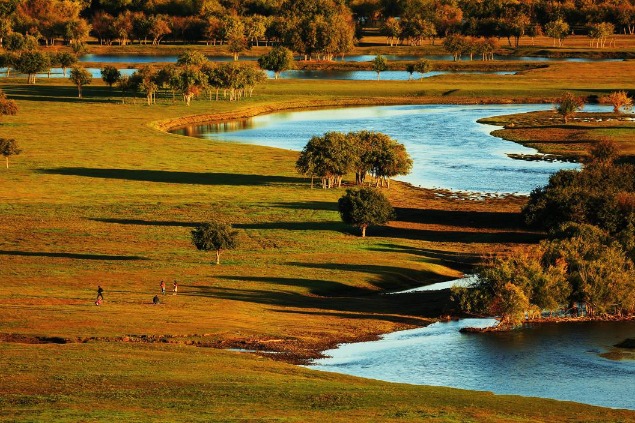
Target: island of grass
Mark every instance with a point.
(99, 196)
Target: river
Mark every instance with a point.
(449, 148)
(555, 360)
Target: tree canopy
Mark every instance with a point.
(214, 236)
(365, 207)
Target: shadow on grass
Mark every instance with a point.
(471, 219)
(298, 226)
(308, 205)
(76, 256)
(172, 177)
(404, 309)
(460, 260)
(62, 93)
(142, 222)
(387, 278)
(315, 286)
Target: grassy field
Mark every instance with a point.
(100, 196)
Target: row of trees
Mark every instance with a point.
(321, 28)
(588, 262)
(192, 76)
(331, 156)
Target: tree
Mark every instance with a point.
(619, 100)
(422, 66)
(191, 58)
(7, 107)
(110, 75)
(66, 60)
(8, 147)
(214, 236)
(80, 77)
(380, 64)
(31, 63)
(568, 105)
(558, 30)
(279, 59)
(365, 207)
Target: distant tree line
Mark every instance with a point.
(313, 28)
(331, 156)
(587, 264)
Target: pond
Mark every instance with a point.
(556, 360)
(136, 58)
(449, 148)
(297, 74)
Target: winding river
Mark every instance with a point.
(559, 361)
(449, 148)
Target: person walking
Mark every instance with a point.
(162, 287)
(100, 295)
(175, 287)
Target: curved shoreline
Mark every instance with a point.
(249, 112)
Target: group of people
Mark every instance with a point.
(175, 287)
(155, 300)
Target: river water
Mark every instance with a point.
(560, 361)
(449, 148)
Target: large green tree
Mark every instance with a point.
(31, 63)
(214, 236)
(365, 207)
(278, 60)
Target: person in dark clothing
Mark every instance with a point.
(100, 293)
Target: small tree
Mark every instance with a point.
(619, 100)
(422, 66)
(80, 77)
(66, 60)
(279, 59)
(380, 64)
(558, 30)
(365, 207)
(568, 104)
(7, 107)
(8, 147)
(214, 236)
(110, 75)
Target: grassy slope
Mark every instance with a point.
(99, 196)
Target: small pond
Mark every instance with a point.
(135, 58)
(560, 361)
(449, 148)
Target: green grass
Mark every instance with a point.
(100, 196)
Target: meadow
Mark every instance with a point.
(101, 195)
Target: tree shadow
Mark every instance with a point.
(315, 286)
(61, 93)
(461, 218)
(308, 205)
(387, 278)
(466, 237)
(405, 308)
(298, 226)
(76, 256)
(172, 177)
(142, 222)
(460, 260)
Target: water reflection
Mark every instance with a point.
(449, 148)
(136, 58)
(559, 361)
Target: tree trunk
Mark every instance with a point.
(364, 231)
(79, 91)
(217, 256)
(7, 159)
